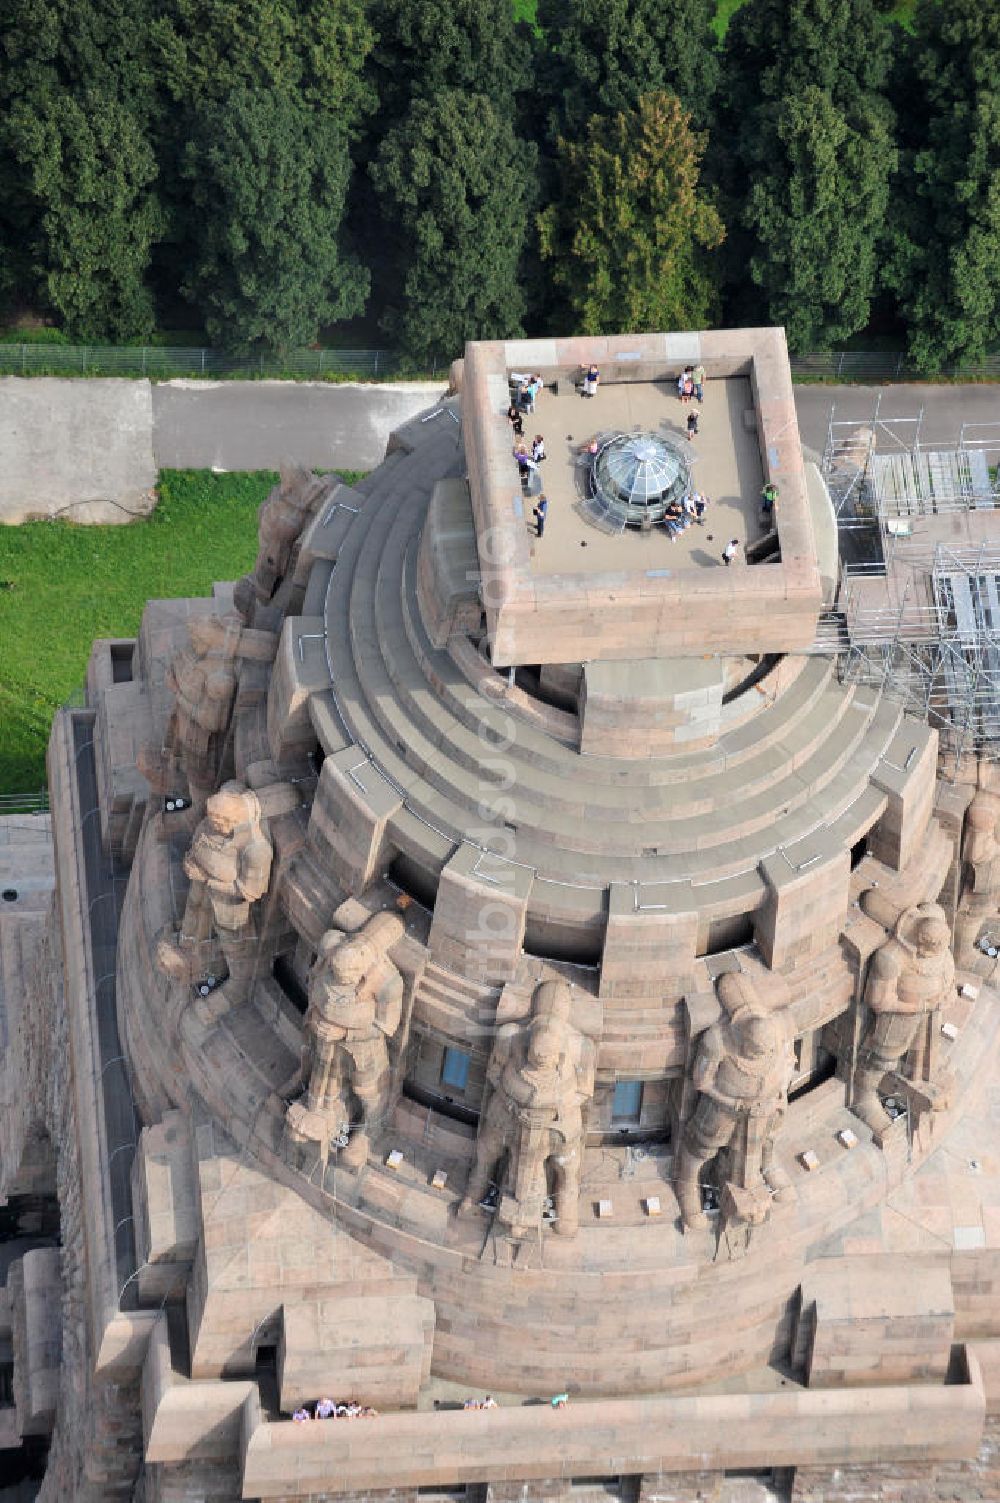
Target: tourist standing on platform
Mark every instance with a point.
(730, 551)
(540, 512)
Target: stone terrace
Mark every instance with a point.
(725, 466)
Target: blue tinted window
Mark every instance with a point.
(628, 1101)
(455, 1070)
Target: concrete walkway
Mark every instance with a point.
(249, 425)
(259, 425)
(90, 449)
(945, 409)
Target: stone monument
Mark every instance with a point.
(355, 1005)
(531, 1131)
(910, 977)
(554, 881)
(202, 677)
(742, 1069)
(979, 902)
(280, 523)
(228, 865)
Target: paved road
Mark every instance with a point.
(945, 409)
(259, 425)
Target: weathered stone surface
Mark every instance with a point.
(483, 946)
(101, 469)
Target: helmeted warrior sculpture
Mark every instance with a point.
(531, 1128)
(742, 1069)
(979, 899)
(280, 523)
(355, 1005)
(229, 867)
(909, 978)
(203, 680)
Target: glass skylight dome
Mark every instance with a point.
(637, 475)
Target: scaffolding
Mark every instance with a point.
(882, 470)
(917, 613)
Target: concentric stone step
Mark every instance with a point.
(427, 738)
(799, 764)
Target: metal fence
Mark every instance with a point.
(161, 363)
(884, 365)
(24, 803)
(165, 362)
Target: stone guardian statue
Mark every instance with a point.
(531, 1127)
(228, 865)
(979, 898)
(281, 522)
(203, 679)
(909, 978)
(742, 1069)
(355, 1005)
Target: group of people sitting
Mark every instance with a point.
(488, 1403)
(680, 515)
(327, 1409)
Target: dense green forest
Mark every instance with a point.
(274, 170)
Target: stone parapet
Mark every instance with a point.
(905, 1424)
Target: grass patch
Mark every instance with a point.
(526, 10)
(902, 14)
(61, 585)
(724, 12)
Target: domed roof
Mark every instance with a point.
(638, 475)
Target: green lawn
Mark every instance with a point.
(726, 9)
(61, 585)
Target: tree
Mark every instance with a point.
(316, 48)
(78, 173)
(89, 168)
(628, 235)
(774, 48)
(803, 153)
(601, 56)
(292, 66)
(268, 181)
(817, 215)
(426, 46)
(945, 265)
(456, 190)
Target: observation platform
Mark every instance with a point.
(556, 601)
(725, 468)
